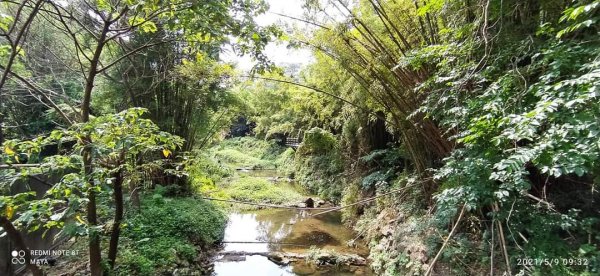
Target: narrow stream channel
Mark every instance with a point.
(289, 231)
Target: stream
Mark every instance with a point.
(287, 231)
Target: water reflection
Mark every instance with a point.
(252, 265)
(284, 230)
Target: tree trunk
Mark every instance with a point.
(17, 238)
(1, 126)
(92, 216)
(13, 54)
(94, 237)
(135, 195)
(116, 228)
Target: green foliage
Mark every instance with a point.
(131, 263)
(242, 160)
(196, 220)
(285, 162)
(117, 142)
(319, 165)
(260, 190)
(126, 133)
(396, 238)
(248, 152)
(386, 164)
(96, 37)
(317, 141)
(178, 103)
(522, 128)
(350, 194)
(376, 178)
(167, 232)
(280, 108)
(494, 105)
(220, 181)
(321, 175)
(204, 171)
(500, 108)
(579, 17)
(261, 149)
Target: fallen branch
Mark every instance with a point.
(437, 256)
(284, 258)
(548, 204)
(16, 166)
(266, 205)
(363, 201)
(266, 242)
(502, 241)
(327, 209)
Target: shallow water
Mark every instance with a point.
(288, 231)
(285, 230)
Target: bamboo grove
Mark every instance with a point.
(483, 113)
(492, 109)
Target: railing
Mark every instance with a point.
(293, 142)
(37, 240)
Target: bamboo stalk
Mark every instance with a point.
(502, 241)
(437, 256)
(18, 166)
(363, 200)
(265, 204)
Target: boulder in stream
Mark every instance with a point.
(310, 203)
(232, 258)
(278, 258)
(320, 258)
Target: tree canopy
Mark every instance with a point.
(471, 126)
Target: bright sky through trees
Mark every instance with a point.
(276, 51)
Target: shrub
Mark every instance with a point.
(239, 159)
(255, 189)
(285, 162)
(321, 174)
(351, 194)
(317, 141)
(133, 263)
(204, 171)
(260, 149)
(166, 232)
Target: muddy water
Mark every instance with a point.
(285, 230)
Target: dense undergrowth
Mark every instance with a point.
(319, 166)
(155, 240)
(481, 117)
(485, 118)
(245, 152)
(149, 88)
(260, 190)
(169, 233)
(222, 172)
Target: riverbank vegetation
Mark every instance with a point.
(221, 173)
(156, 241)
(482, 113)
(462, 135)
(108, 96)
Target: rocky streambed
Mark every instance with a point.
(289, 242)
(276, 242)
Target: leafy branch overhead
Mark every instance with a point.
(459, 137)
(119, 141)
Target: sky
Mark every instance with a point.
(277, 52)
